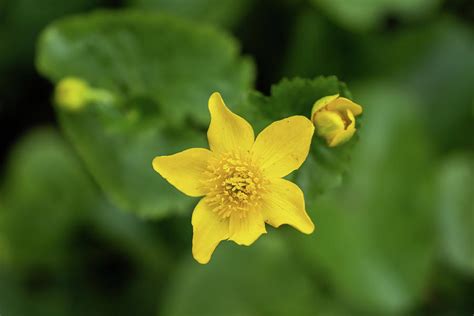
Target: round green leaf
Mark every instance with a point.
(178, 64)
(162, 70)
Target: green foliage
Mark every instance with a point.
(420, 59)
(375, 240)
(35, 181)
(18, 21)
(60, 236)
(455, 206)
(289, 97)
(221, 12)
(4, 251)
(442, 56)
(325, 166)
(260, 280)
(163, 70)
(175, 63)
(363, 15)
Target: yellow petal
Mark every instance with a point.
(284, 204)
(343, 104)
(245, 230)
(185, 170)
(283, 145)
(208, 231)
(346, 134)
(321, 103)
(328, 124)
(227, 132)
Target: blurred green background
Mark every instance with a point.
(87, 228)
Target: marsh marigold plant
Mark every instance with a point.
(240, 178)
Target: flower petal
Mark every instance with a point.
(283, 145)
(208, 231)
(284, 204)
(185, 170)
(321, 103)
(227, 132)
(328, 124)
(245, 230)
(343, 104)
(346, 134)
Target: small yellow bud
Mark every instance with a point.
(71, 93)
(334, 118)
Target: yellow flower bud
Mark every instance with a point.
(334, 118)
(71, 93)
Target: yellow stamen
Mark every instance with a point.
(235, 184)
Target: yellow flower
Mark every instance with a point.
(71, 93)
(334, 118)
(240, 178)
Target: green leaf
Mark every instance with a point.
(376, 233)
(364, 15)
(176, 63)
(59, 231)
(163, 70)
(456, 211)
(24, 19)
(259, 280)
(290, 97)
(440, 76)
(325, 166)
(120, 156)
(44, 176)
(226, 13)
(4, 251)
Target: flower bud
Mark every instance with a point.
(71, 93)
(334, 119)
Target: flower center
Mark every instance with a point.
(345, 118)
(235, 184)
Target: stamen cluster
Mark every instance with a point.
(235, 184)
